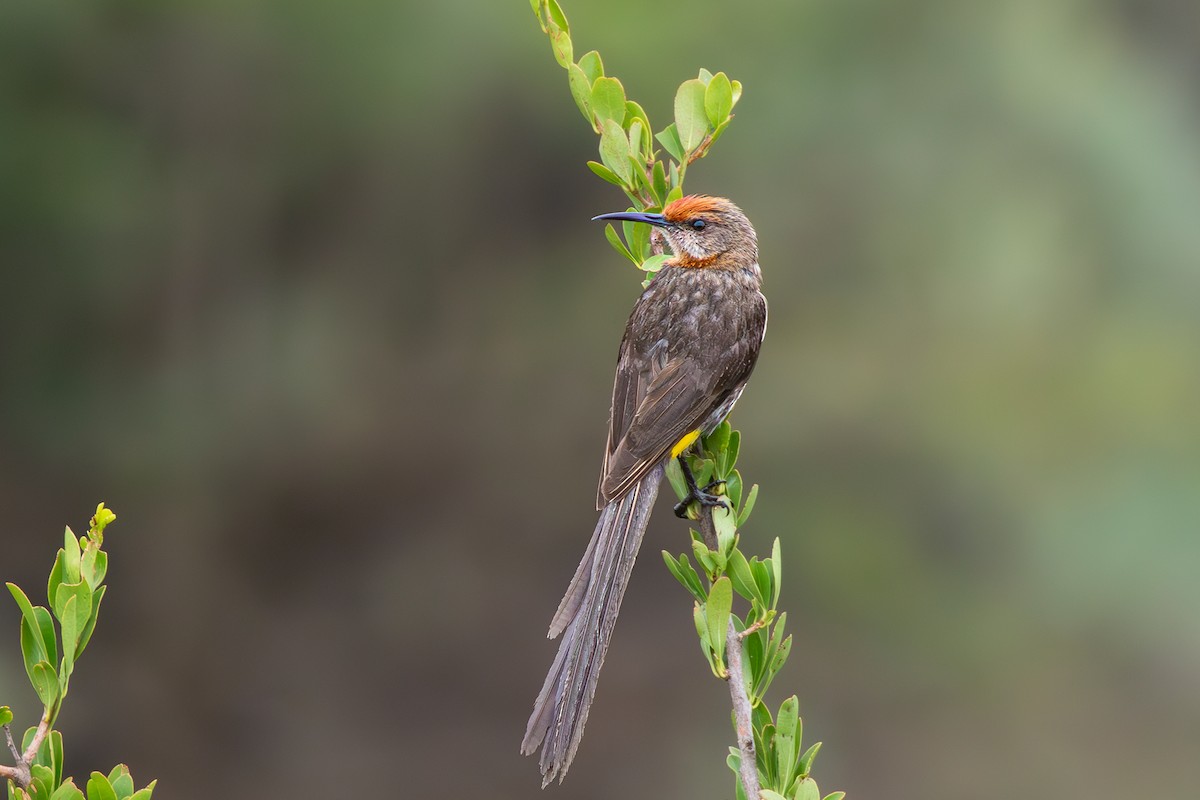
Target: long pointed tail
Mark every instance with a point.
(586, 617)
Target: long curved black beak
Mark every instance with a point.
(636, 216)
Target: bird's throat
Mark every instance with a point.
(689, 261)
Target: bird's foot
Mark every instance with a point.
(705, 497)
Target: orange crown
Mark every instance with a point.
(693, 205)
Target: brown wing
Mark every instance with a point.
(652, 410)
(672, 376)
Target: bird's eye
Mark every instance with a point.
(698, 224)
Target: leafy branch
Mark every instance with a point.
(629, 158)
(74, 591)
(748, 651)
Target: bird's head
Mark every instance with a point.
(702, 231)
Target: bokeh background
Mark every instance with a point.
(307, 292)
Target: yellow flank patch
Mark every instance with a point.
(685, 443)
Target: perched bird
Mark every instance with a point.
(689, 347)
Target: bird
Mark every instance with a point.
(689, 347)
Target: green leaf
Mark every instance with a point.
(738, 570)
(560, 43)
(629, 234)
(733, 488)
(746, 509)
(788, 734)
(121, 781)
(776, 653)
(659, 179)
(685, 574)
(698, 618)
(777, 631)
(718, 99)
(55, 754)
(611, 234)
(581, 90)
(734, 762)
(677, 189)
(75, 603)
(604, 172)
(93, 567)
(45, 683)
(702, 470)
(669, 138)
(768, 794)
(775, 650)
(777, 572)
(645, 142)
(731, 452)
(557, 16)
(764, 745)
(98, 788)
(726, 527)
(32, 649)
(807, 790)
(49, 637)
(6, 715)
(643, 181)
(705, 76)
(806, 760)
(635, 148)
(27, 612)
(736, 87)
(720, 130)
(90, 626)
(691, 122)
(144, 794)
(755, 659)
(760, 716)
(73, 553)
(781, 656)
(716, 441)
(67, 791)
(639, 239)
(762, 577)
(58, 575)
(705, 557)
(592, 66)
(717, 610)
(27, 740)
(835, 796)
(42, 781)
(675, 476)
(608, 100)
(614, 151)
(554, 23)
(34, 643)
(70, 634)
(654, 264)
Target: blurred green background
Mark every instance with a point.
(307, 292)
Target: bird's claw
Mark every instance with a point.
(704, 497)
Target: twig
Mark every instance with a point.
(757, 626)
(12, 747)
(737, 681)
(15, 775)
(20, 774)
(39, 736)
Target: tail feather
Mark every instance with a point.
(586, 617)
